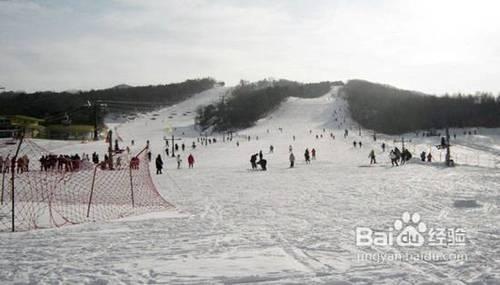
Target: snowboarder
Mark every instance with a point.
(159, 164)
(292, 159)
(179, 160)
(372, 157)
(191, 161)
(313, 154)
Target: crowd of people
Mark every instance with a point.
(60, 162)
(19, 165)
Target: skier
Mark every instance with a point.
(159, 164)
(406, 155)
(293, 138)
(313, 154)
(176, 147)
(179, 160)
(360, 144)
(191, 161)
(372, 157)
(394, 158)
(292, 159)
(307, 156)
(398, 153)
(237, 143)
(290, 148)
(355, 144)
(271, 149)
(429, 157)
(422, 156)
(253, 160)
(118, 162)
(183, 146)
(149, 156)
(260, 155)
(193, 145)
(383, 147)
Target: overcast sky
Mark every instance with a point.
(428, 45)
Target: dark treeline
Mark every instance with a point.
(390, 110)
(249, 102)
(53, 105)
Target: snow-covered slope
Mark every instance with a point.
(233, 225)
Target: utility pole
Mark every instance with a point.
(110, 149)
(448, 154)
(96, 133)
(173, 145)
(13, 172)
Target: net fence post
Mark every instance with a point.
(92, 190)
(3, 186)
(13, 175)
(131, 184)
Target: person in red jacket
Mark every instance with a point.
(191, 161)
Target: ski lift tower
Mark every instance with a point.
(402, 141)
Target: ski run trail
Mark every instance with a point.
(232, 225)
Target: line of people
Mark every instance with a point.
(20, 165)
(159, 163)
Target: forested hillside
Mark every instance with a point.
(251, 101)
(390, 110)
(123, 100)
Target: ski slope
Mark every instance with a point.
(233, 225)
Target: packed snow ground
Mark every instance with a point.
(233, 225)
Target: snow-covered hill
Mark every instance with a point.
(285, 225)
